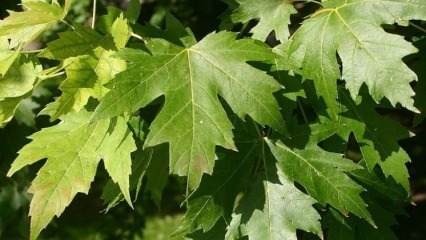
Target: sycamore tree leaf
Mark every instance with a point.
(73, 149)
(377, 137)
(322, 174)
(369, 55)
(23, 27)
(273, 15)
(192, 119)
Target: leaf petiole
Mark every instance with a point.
(418, 27)
(94, 14)
(138, 37)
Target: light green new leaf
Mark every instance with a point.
(15, 85)
(85, 41)
(321, 174)
(273, 15)
(73, 149)
(20, 78)
(8, 107)
(88, 62)
(192, 120)
(86, 76)
(352, 29)
(23, 27)
(7, 56)
(120, 31)
(115, 151)
(81, 41)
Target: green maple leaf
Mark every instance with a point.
(273, 15)
(374, 181)
(377, 137)
(192, 120)
(8, 108)
(73, 149)
(89, 64)
(216, 194)
(23, 27)
(239, 188)
(420, 88)
(321, 174)
(368, 54)
(350, 228)
(20, 78)
(85, 41)
(270, 208)
(275, 212)
(86, 76)
(16, 85)
(7, 56)
(81, 41)
(157, 174)
(25, 112)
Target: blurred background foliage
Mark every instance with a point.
(85, 219)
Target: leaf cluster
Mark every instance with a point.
(274, 141)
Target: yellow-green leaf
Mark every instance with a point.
(73, 149)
